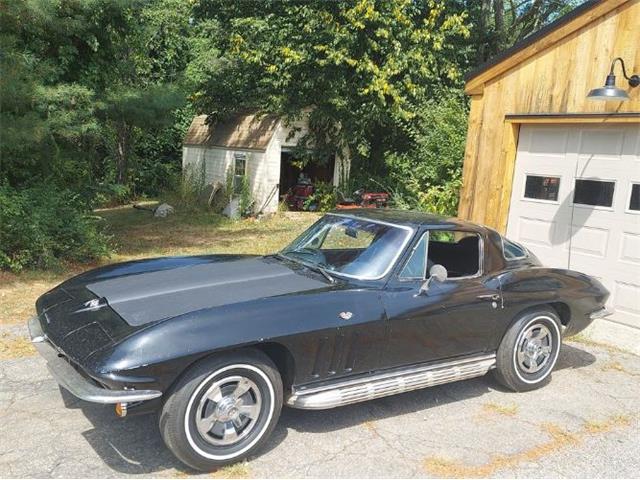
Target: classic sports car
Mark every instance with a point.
(360, 306)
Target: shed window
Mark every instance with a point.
(634, 201)
(597, 193)
(542, 188)
(239, 171)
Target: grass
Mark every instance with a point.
(583, 339)
(500, 409)
(12, 346)
(137, 234)
(558, 439)
(237, 470)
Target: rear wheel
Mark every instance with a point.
(222, 409)
(529, 351)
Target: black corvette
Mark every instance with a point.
(360, 306)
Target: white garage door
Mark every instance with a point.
(576, 204)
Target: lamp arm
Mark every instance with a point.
(633, 80)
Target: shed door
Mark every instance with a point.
(576, 204)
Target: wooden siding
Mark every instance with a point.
(554, 79)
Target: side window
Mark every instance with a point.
(416, 266)
(239, 171)
(512, 251)
(457, 251)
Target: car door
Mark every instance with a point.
(453, 318)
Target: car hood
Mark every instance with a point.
(141, 294)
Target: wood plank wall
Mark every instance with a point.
(555, 80)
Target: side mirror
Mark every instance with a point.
(437, 273)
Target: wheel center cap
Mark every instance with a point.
(227, 409)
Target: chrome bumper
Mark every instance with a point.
(603, 312)
(74, 382)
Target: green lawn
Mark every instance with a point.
(137, 234)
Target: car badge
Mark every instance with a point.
(345, 315)
(95, 303)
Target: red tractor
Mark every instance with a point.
(362, 199)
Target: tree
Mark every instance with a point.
(498, 24)
(128, 110)
(362, 67)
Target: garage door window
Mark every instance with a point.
(595, 193)
(634, 201)
(542, 188)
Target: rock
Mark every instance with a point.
(232, 210)
(163, 210)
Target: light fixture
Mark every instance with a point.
(610, 91)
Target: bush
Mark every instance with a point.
(323, 199)
(427, 176)
(41, 226)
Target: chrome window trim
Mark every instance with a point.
(426, 260)
(393, 262)
(522, 247)
(478, 274)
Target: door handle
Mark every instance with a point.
(493, 297)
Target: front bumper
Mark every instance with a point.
(69, 378)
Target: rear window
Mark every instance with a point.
(512, 250)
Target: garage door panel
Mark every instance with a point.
(600, 234)
(627, 302)
(548, 141)
(590, 241)
(630, 248)
(604, 144)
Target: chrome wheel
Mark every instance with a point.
(229, 410)
(534, 348)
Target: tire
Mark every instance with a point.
(529, 351)
(222, 409)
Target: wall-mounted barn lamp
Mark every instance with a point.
(610, 91)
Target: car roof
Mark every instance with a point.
(409, 218)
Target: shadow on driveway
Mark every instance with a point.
(133, 445)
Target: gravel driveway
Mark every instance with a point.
(586, 423)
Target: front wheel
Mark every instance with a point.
(222, 409)
(529, 351)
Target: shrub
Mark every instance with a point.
(246, 202)
(42, 225)
(323, 199)
(427, 176)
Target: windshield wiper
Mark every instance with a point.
(321, 270)
(310, 266)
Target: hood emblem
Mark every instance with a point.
(345, 315)
(95, 303)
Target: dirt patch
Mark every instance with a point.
(497, 408)
(559, 439)
(237, 470)
(12, 346)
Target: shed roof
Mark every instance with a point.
(243, 131)
(577, 18)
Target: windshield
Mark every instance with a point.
(349, 246)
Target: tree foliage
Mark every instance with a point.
(95, 95)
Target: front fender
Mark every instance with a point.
(159, 353)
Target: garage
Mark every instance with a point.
(576, 204)
(552, 158)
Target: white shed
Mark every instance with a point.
(259, 146)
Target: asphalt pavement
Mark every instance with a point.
(585, 423)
